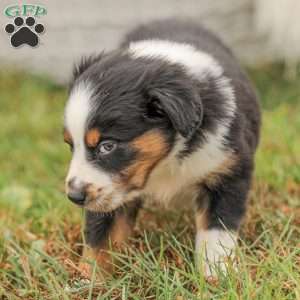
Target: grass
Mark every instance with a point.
(40, 231)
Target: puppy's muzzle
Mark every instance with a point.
(76, 191)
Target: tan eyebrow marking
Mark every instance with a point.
(67, 137)
(152, 147)
(92, 137)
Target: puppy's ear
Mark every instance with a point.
(180, 102)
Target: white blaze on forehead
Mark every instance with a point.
(77, 112)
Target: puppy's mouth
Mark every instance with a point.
(97, 199)
(103, 203)
(103, 199)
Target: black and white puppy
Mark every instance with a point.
(168, 115)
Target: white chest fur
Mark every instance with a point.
(174, 178)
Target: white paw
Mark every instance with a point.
(215, 251)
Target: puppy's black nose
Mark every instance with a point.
(77, 197)
(76, 192)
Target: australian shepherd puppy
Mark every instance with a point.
(168, 115)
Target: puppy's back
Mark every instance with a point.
(187, 32)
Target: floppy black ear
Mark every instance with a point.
(181, 103)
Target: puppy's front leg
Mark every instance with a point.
(219, 213)
(104, 232)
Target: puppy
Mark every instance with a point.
(168, 115)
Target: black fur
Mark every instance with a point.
(98, 225)
(84, 63)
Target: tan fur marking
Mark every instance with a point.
(201, 215)
(151, 147)
(93, 193)
(214, 177)
(201, 220)
(67, 137)
(92, 137)
(120, 232)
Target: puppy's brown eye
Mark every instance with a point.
(106, 147)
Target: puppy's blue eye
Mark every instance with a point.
(106, 147)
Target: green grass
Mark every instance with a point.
(40, 235)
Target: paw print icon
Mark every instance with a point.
(24, 32)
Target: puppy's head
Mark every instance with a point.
(122, 118)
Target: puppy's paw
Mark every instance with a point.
(224, 264)
(215, 252)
